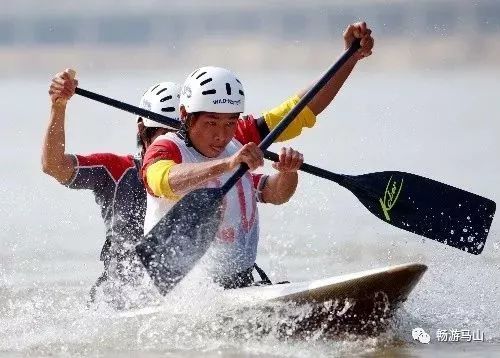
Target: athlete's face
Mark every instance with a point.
(212, 132)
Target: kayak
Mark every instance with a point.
(361, 302)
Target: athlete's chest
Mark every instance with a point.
(130, 195)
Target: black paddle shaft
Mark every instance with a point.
(128, 107)
(313, 91)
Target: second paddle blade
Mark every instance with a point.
(426, 207)
(171, 249)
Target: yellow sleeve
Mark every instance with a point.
(305, 119)
(157, 179)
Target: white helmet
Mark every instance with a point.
(162, 98)
(212, 89)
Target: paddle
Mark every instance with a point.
(128, 107)
(419, 205)
(423, 206)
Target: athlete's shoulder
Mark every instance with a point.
(164, 147)
(115, 164)
(94, 159)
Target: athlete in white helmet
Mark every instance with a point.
(113, 178)
(213, 143)
(161, 98)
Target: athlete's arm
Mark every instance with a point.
(166, 176)
(250, 129)
(55, 162)
(326, 95)
(280, 187)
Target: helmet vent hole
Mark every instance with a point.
(160, 91)
(205, 81)
(201, 74)
(165, 98)
(212, 91)
(241, 92)
(228, 89)
(168, 109)
(155, 87)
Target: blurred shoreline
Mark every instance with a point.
(153, 35)
(448, 53)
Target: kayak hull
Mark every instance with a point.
(360, 303)
(357, 303)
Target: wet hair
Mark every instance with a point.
(148, 133)
(183, 131)
(185, 124)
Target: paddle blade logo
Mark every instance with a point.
(392, 191)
